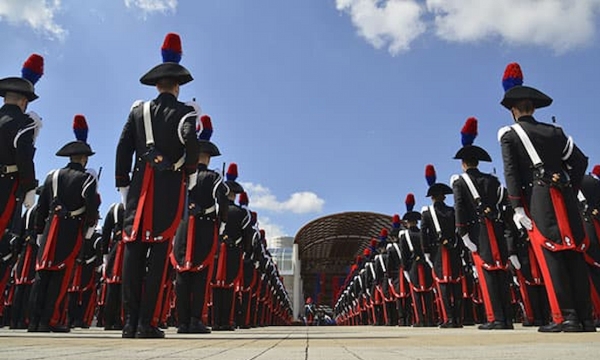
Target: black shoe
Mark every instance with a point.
(419, 324)
(447, 325)
(60, 329)
(33, 327)
(588, 326)
(183, 329)
(149, 332)
(128, 331)
(572, 326)
(508, 325)
(197, 327)
(494, 325)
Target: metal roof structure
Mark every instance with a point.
(327, 246)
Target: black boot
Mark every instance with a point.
(129, 328)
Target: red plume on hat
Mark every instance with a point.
(430, 175)
(410, 202)
(80, 128)
(366, 253)
(243, 199)
(33, 68)
(383, 233)
(373, 243)
(469, 131)
(513, 76)
(171, 48)
(596, 170)
(232, 172)
(204, 128)
(396, 221)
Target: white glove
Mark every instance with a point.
(105, 258)
(29, 199)
(468, 243)
(192, 180)
(38, 240)
(124, 191)
(514, 260)
(521, 218)
(37, 121)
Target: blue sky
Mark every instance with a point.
(326, 106)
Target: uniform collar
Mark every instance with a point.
(527, 118)
(75, 166)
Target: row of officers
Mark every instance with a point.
(528, 251)
(177, 240)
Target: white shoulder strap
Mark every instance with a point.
(382, 263)
(180, 125)
(55, 183)
(434, 217)
(148, 124)
(409, 240)
(116, 213)
(471, 186)
(533, 155)
(397, 250)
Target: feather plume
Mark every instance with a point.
(430, 174)
(80, 128)
(513, 76)
(33, 68)
(171, 48)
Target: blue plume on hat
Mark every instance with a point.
(232, 172)
(80, 128)
(33, 68)
(513, 76)
(171, 48)
(469, 131)
(430, 175)
(205, 128)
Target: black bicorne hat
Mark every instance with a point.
(514, 91)
(32, 71)
(170, 67)
(410, 214)
(79, 146)
(435, 189)
(469, 151)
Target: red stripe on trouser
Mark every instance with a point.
(421, 274)
(89, 311)
(190, 239)
(402, 284)
(158, 306)
(493, 243)
(59, 309)
(596, 223)
(534, 266)
(148, 178)
(442, 305)
(525, 296)
(446, 272)
(538, 248)
(24, 278)
(76, 283)
(117, 272)
(561, 216)
(485, 292)
(221, 265)
(50, 245)
(8, 210)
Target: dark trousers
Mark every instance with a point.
(451, 296)
(144, 272)
(190, 290)
(79, 303)
(496, 293)
(112, 306)
(20, 311)
(48, 296)
(567, 282)
(423, 307)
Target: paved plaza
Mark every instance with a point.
(300, 343)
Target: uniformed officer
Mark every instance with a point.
(67, 214)
(441, 249)
(542, 167)
(197, 237)
(478, 205)
(162, 135)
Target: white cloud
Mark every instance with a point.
(394, 24)
(271, 230)
(560, 25)
(299, 203)
(37, 14)
(148, 6)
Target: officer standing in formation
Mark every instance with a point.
(197, 237)
(478, 203)
(66, 217)
(542, 168)
(161, 136)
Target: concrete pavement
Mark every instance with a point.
(303, 343)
